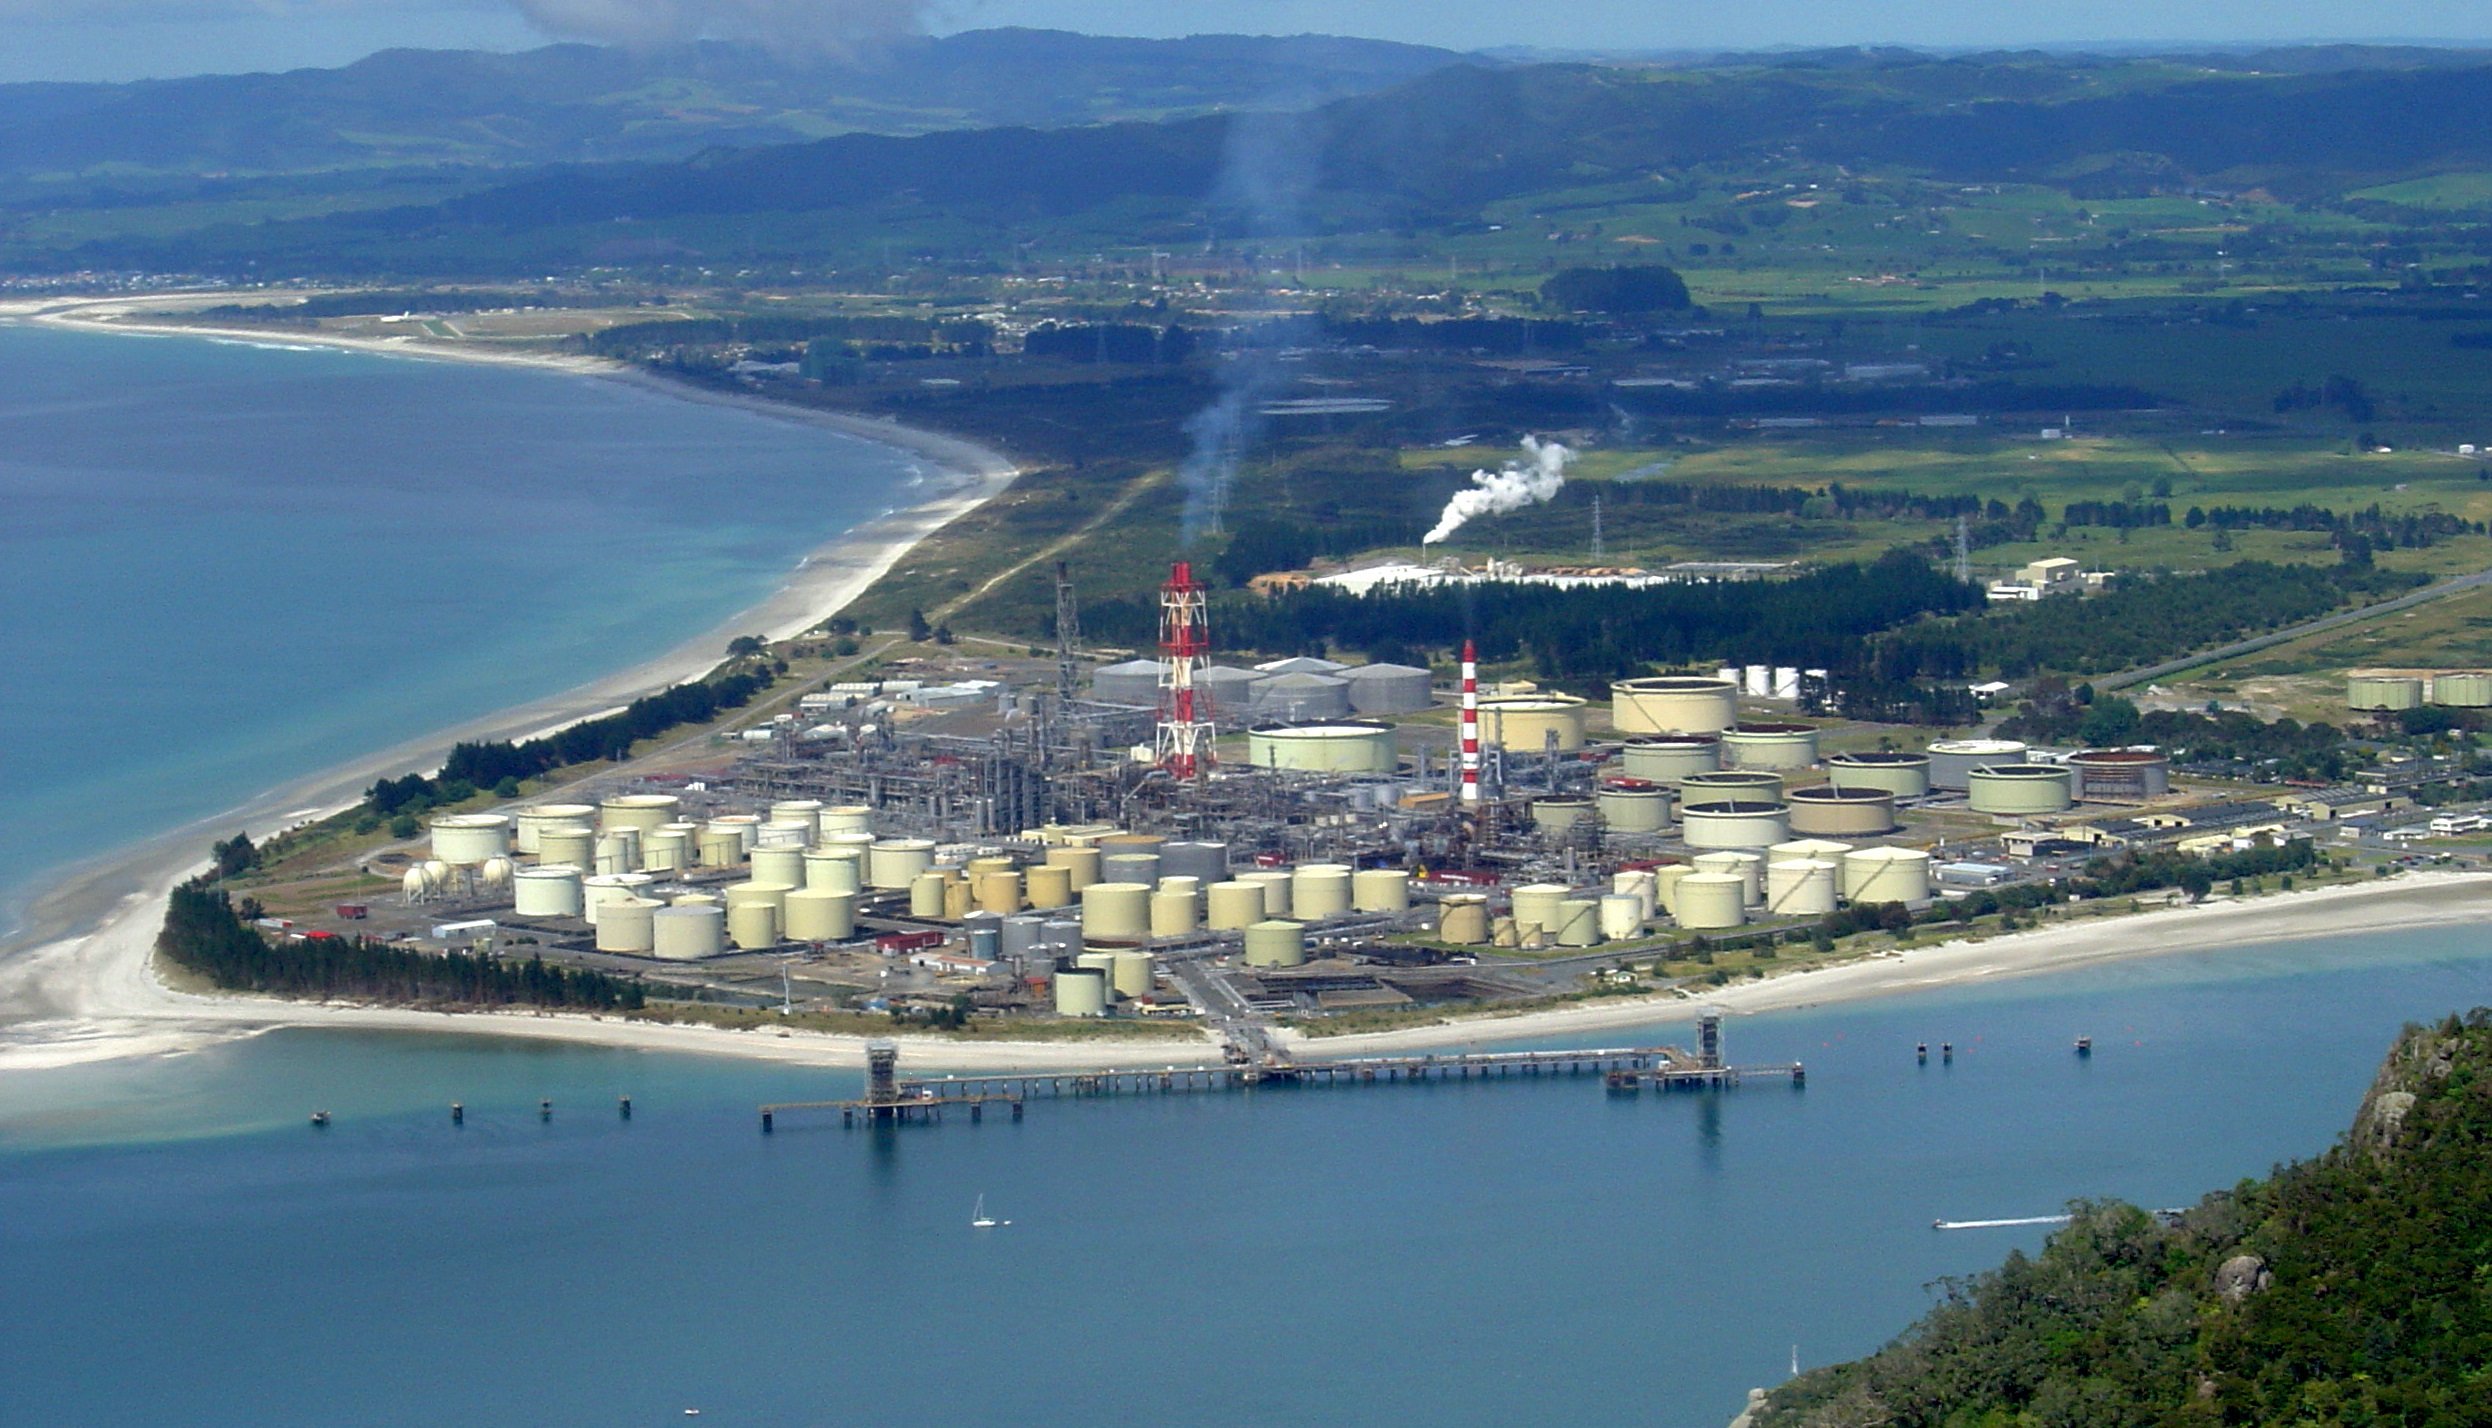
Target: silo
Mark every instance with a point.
(687, 934)
(1749, 868)
(1276, 889)
(1140, 868)
(465, 840)
(1048, 887)
(1578, 923)
(1633, 806)
(535, 818)
(2383, 692)
(1536, 906)
(1390, 689)
(1769, 746)
(846, 818)
(1276, 943)
(998, 892)
(1082, 991)
(647, 812)
(1116, 910)
(1952, 761)
(785, 866)
(1234, 907)
(1173, 913)
(1131, 976)
(895, 862)
(1800, 887)
(834, 870)
(1319, 890)
(1081, 864)
(753, 926)
(547, 890)
(926, 895)
(1711, 902)
(1208, 862)
(1462, 919)
(719, 847)
(1741, 785)
(2022, 790)
(1135, 682)
(1673, 704)
(1556, 817)
(619, 852)
(1734, 823)
(1380, 890)
(601, 888)
(1823, 848)
(2462, 689)
(1295, 698)
(1887, 875)
(1843, 812)
(1341, 746)
(1522, 723)
(1642, 884)
(815, 916)
(1668, 758)
(2120, 775)
(666, 850)
(624, 925)
(1903, 775)
(1622, 917)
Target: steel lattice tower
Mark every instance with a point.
(1185, 726)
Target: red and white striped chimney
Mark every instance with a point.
(1470, 724)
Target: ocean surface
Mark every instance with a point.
(179, 1245)
(227, 565)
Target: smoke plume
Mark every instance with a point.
(823, 27)
(1540, 475)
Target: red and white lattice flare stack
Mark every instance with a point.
(1185, 728)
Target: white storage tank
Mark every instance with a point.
(466, 840)
(1825, 848)
(1901, 775)
(1670, 758)
(1319, 890)
(571, 843)
(1116, 911)
(812, 915)
(1673, 704)
(1579, 923)
(2022, 790)
(547, 890)
(1380, 890)
(535, 818)
(1846, 812)
(1886, 875)
(1082, 991)
(2121, 775)
(1080, 863)
(895, 863)
(1952, 761)
(1633, 806)
(1711, 902)
(1642, 884)
(1556, 817)
(1131, 975)
(1462, 919)
(1174, 912)
(1622, 917)
(687, 934)
(926, 895)
(802, 812)
(665, 851)
(1742, 785)
(1749, 868)
(2383, 692)
(625, 925)
(753, 926)
(1734, 824)
(1341, 746)
(719, 845)
(603, 888)
(1801, 887)
(1234, 906)
(997, 890)
(1389, 689)
(1523, 723)
(834, 870)
(746, 825)
(1276, 889)
(1047, 887)
(1276, 943)
(1536, 906)
(1295, 698)
(619, 851)
(1135, 682)
(646, 812)
(1780, 746)
(845, 818)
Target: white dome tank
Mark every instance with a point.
(468, 839)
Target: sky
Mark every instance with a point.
(127, 39)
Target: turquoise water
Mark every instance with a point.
(225, 566)
(1520, 1252)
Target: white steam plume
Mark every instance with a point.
(831, 27)
(1540, 475)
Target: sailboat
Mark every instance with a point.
(979, 1219)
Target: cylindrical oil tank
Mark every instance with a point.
(1901, 775)
(1173, 912)
(665, 850)
(746, 825)
(811, 915)
(926, 894)
(535, 818)
(2462, 689)
(1208, 862)
(1668, 758)
(1231, 691)
(767, 894)
(1462, 919)
(1578, 923)
(1319, 890)
(1082, 991)
(2383, 692)
(2120, 775)
(834, 870)
(895, 862)
(858, 839)
(1734, 823)
(1748, 867)
(1556, 817)
(1130, 868)
(1536, 906)
(2022, 790)
(647, 812)
(998, 892)
(985, 933)
(845, 818)
(1769, 746)
(807, 811)
(1886, 875)
(1301, 697)
(1021, 934)
(571, 843)
(1800, 887)
(719, 847)
(1522, 723)
(547, 890)
(1046, 887)
(1116, 910)
(1136, 681)
(465, 840)
(1825, 848)
(1666, 879)
(624, 925)
(752, 926)
(1711, 902)
(1131, 976)
(1111, 844)
(779, 865)
(601, 888)
(695, 899)
(1622, 916)
(1276, 943)
(686, 934)
(1233, 907)
(1952, 761)
(1640, 884)
(1080, 863)
(1741, 785)
(1380, 890)
(619, 852)
(1389, 689)
(1342, 746)
(1674, 704)
(1276, 889)
(794, 833)
(1842, 812)
(1633, 806)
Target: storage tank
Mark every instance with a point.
(1276, 943)
(1633, 806)
(746, 825)
(1082, 991)
(1824, 848)
(1522, 723)
(1578, 923)
(1020, 936)
(418, 884)
(687, 934)
(1842, 812)
(647, 812)
(1462, 919)
(926, 895)
(1080, 863)
(1276, 889)
(794, 833)
(666, 850)
(1668, 758)
(1622, 917)
(1734, 823)
(1769, 746)
(694, 899)
(895, 862)
(1711, 902)
(834, 870)
(496, 873)
(1207, 862)
(1887, 875)
(812, 915)
(719, 847)
(998, 892)
(2383, 692)
(766, 894)
(800, 811)
(574, 844)
(753, 926)
(1666, 879)
(1640, 884)
(1556, 817)
(1674, 704)
(1047, 887)
(1319, 890)
(1136, 681)
(1230, 691)
(2120, 775)
(1234, 906)
(1952, 761)
(1296, 698)
(1389, 689)
(1380, 890)
(785, 866)
(1903, 775)
(1536, 906)
(535, 818)
(624, 925)
(2462, 689)
(1173, 912)
(1748, 867)
(1345, 746)
(1131, 976)
(619, 852)
(1801, 887)
(600, 888)
(2022, 790)
(1116, 910)
(1140, 868)
(1112, 844)
(547, 890)
(846, 818)
(1744, 785)
(464, 840)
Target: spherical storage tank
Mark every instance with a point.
(537, 817)
(1800, 887)
(1522, 723)
(2120, 775)
(1276, 943)
(1711, 902)
(2022, 790)
(1633, 806)
(1734, 824)
(1842, 812)
(2462, 689)
(1903, 775)
(2383, 692)
(1390, 689)
(1886, 875)
(1747, 785)
(468, 839)
(1770, 746)
(1343, 747)
(1668, 758)
(1136, 681)
(1302, 696)
(1952, 761)
(686, 934)
(547, 890)
(1674, 704)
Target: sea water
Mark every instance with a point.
(178, 1244)
(227, 565)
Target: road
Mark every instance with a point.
(2424, 596)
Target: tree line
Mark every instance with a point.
(2409, 529)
